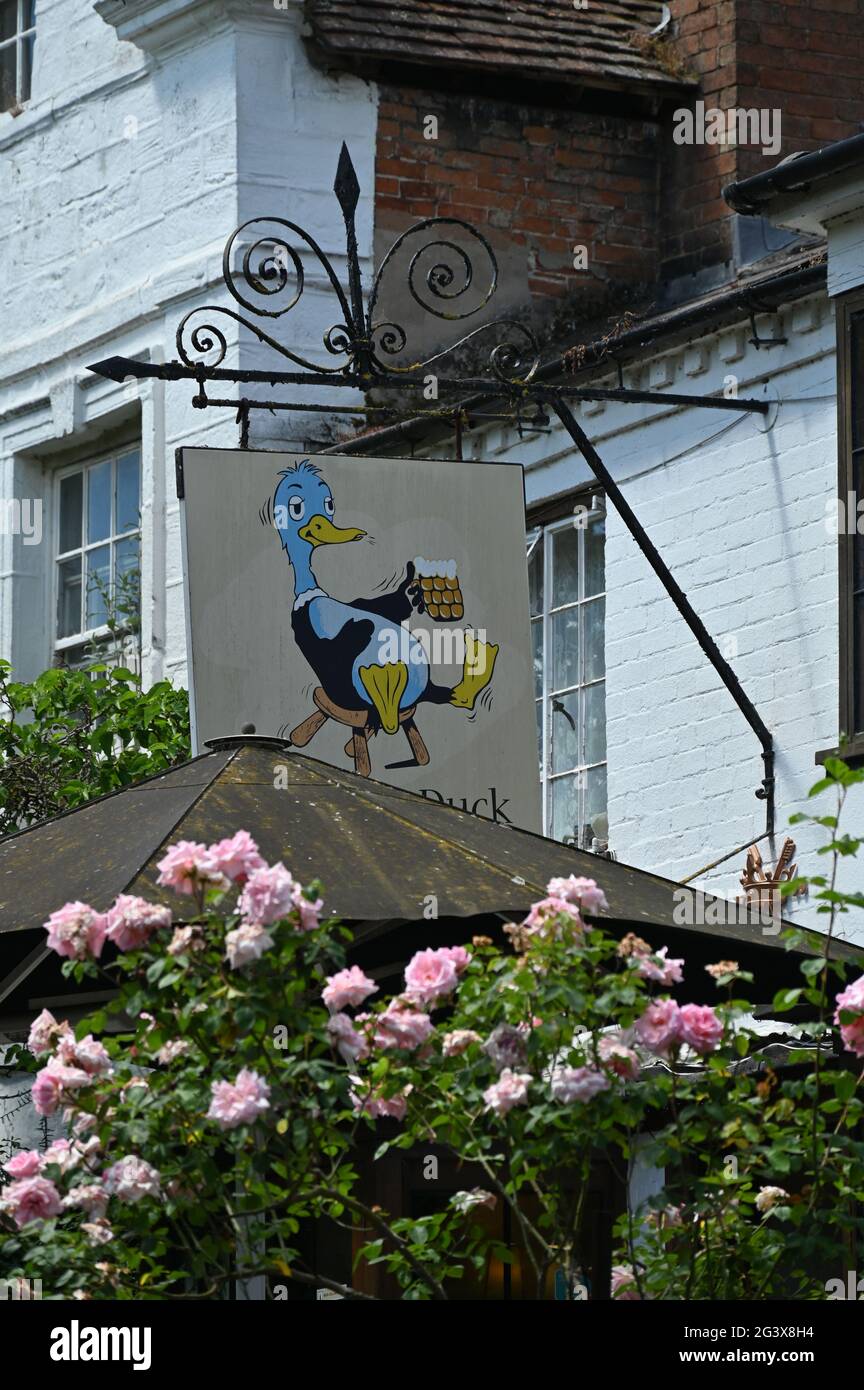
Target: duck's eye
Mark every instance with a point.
(329, 506)
(296, 508)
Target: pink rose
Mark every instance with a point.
(430, 976)
(347, 988)
(350, 1043)
(246, 944)
(700, 1027)
(851, 1001)
(308, 913)
(454, 1044)
(546, 912)
(91, 1198)
(44, 1032)
(657, 968)
(459, 956)
(131, 921)
(171, 1050)
(76, 931)
(624, 1286)
(236, 858)
(577, 1083)
(188, 867)
(98, 1232)
(658, 1028)
(581, 892)
(239, 1102)
(88, 1055)
(618, 1057)
(510, 1089)
(268, 895)
(67, 1156)
(130, 1179)
(401, 1026)
(186, 939)
(24, 1165)
(56, 1082)
(382, 1108)
(32, 1199)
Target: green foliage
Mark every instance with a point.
(71, 735)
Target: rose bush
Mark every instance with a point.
(217, 1104)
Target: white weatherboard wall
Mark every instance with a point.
(738, 511)
(121, 182)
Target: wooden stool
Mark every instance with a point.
(357, 720)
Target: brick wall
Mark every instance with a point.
(535, 181)
(801, 57)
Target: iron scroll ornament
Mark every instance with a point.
(271, 266)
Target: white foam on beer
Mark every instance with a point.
(430, 569)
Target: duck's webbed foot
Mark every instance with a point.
(479, 666)
(385, 686)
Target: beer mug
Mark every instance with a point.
(438, 587)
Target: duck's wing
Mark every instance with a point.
(399, 604)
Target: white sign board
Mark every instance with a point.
(372, 611)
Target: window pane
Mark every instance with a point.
(535, 579)
(26, 67)
(565, 648)
(98, 502)
(128, 501)
(29, 13)
(596, 802)
(71, 501)
(595, 571)
(595, 723)
(565, 566)
(8, 19)
(8, 94)
(98, 586)
(565, 807)
(127, 580)
(593, 618)
(69, 597)
(564, 723)
(537, 643)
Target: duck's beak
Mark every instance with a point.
(321, 531)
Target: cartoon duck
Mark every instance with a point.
(349, 645)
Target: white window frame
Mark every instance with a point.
(18, 41)
(545, 532)
(102, 633)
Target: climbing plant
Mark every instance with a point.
(221, 1103)
(70, 735)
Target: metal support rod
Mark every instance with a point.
(120, 368)
(680, 600)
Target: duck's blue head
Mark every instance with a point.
(303, 515)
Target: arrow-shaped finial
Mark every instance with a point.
(346, 187)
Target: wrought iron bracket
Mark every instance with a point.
(442, 279)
